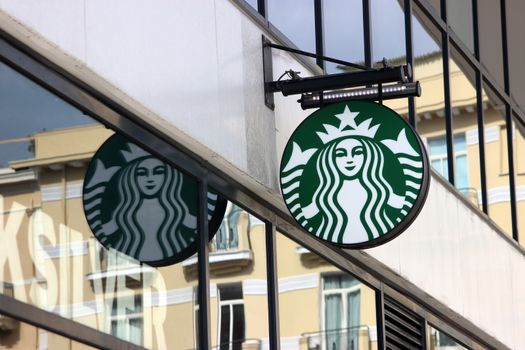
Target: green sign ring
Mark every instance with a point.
(143, 207)
(354, 174)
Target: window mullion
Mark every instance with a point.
(230, 339)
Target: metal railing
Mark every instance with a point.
(350, 338)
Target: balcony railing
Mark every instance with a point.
(227, 237)
(351, 338)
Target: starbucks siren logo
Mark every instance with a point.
(143, 207)
(354, 174)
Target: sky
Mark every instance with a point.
(343, 25)
(27, 108)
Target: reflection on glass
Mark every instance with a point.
(341, 309)
(231, 330)
(516, 53)
(459, 17)
(48, 255)
(343, 32)
(22, 104)
(15, 334)
(430, 107)
(489, 22)
(253, 3)
(388, 31)
(519, 174)
(342, 298)
(497, 161)
(441, 341)
(227, 237)
(437, 148)
(295, 19)
(464, 121)
(436, 4)
(388, 41)
(238, 301)
(127, 318)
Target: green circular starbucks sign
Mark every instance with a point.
(143, 207)
(354, 174)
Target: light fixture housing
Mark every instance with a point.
(395, 74)
(319, 99)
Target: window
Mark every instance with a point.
(227, 237)
(438, 159)
(126, 318)
(231, 329)
(341, 311)
(442, 341)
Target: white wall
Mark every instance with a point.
(195, 68)
(454, 255)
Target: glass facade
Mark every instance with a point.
(343, 23)
(251, 286)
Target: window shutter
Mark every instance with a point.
(403, 328)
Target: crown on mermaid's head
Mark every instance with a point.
(134, 152)
(347, 119)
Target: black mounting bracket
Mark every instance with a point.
(366, 76)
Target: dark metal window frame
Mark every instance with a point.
(367, 269)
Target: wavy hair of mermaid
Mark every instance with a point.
(130, 201)
(373, 215)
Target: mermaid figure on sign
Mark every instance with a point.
(149, 216)
(353, 200)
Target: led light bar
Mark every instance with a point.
(319, 99)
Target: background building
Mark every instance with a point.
(185, 80)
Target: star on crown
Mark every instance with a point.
(347, 119)
(134, 152)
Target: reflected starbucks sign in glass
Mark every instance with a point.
(143, 207)
(354, 174)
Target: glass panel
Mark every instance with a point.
(430, 107)
(388, 31)
(465, 125)
(230, 291)
(238, 282)
(227, 237)
(519, 174)
(440, 340)
(333, 311)
(21, 105)
(496, 155)
(253, 3)
(343, 32)
(353, 310)
(238, 332)
(127, 318)
(295, 19)
(48, 254)
(341, 309)
(515, 11)
(15, 334)
(459, 17)
(489, 19)
(436, 4)
(224, 341)
(388, 41)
